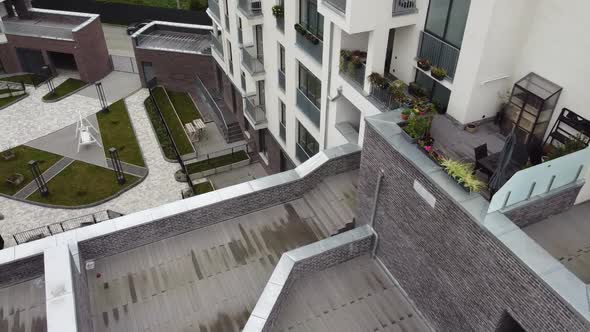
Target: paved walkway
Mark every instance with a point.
(116, 85)
(52, 171)
(129, 168)
(31, 118)
(157, 189)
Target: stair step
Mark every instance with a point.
(324, 218)
(335, 216)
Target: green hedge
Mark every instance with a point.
(161, 134)
(220, 161)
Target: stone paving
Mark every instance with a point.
(31, 118)
(158, 188)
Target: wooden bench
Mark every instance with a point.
(191, 131)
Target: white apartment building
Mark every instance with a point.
(312, 102)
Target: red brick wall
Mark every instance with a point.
(176, 70)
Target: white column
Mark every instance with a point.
(376, 54)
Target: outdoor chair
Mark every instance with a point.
(480, 153)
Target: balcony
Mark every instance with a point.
(250, 8)
(216, 45)
(439, 53)
(43, 28)
(283, 131)
(255, 112)
(353, 69)
(227, 22)
(240, 36)
(282, 80)
(302, 153)
(338, 5)
(252, 61)
(404, 7)
(308, 108)
(310, 42)
(214, 8)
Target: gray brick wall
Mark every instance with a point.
(81, 293)
(160, 229)
(459, 275)
(543, 207)
(21, 270)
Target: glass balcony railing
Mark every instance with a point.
(283, 131)
(339, 5)
(240, 36)
(354, 71)
(282, 80)
(255, 111)
(403, 7)
(250, 8)
(281, 24)
(227, 22)
(308, 108)
(214, 8)
(310, 42)
(439, 53)
(216, 45)
(252, 61)
(302, 153)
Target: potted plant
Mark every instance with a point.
(406, 114)
(300, 29)
(424, 64)
(355, 63)
(415, 90)
(345, 55)
(415, 128)
(440, 108)
(462, 173)
(312, 38)
(377, 80)
(438, 73)
(278, 11)
(471, 128)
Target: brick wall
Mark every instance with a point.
(21, 270)
(176, 70)
(459, 275)
(160, 229)
(543, 207)
(81, 293)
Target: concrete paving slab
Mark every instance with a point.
(118, 42)
(117, 85)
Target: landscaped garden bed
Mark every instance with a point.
(31, 79)
(7, 101)
(184, 4)
(218, 164)
(172, 120)
(203, 187)
(81, 184)
(117, 131)
(15, 161)
(65, 89)
(184, 106)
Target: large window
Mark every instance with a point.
(310, 85)
(281, 58)
(446, 20)
(435, 92)
(306, 142)
(310, 18)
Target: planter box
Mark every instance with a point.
(408, 137)
(221, 169)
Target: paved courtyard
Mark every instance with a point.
(158, 188)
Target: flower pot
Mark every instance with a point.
(408, 137)
(405, 117)
(471, 128)
(424, 65)
(440, 78)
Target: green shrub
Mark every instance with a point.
(463, 174)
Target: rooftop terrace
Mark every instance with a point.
(353, 296)
(45, 23)
(214, 275)
(22, 307)
(175, 37)
(566, 237)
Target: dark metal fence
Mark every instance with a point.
(64, 226)
(385, 97)
(12, 88)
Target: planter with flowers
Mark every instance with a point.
(438, 73)
(278, 11)
(416, 127)
(424, 64)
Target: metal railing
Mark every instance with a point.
(28, 29)
(255, 111)
(282, 82)
(10, 89)
(541, 179)
(213, 105)
(281, 24)
(339, 5)
(301, 153)
(355, 71)
(227, 23)
(250, 8)
(196, 157)
(403, 7)
(283, 131)
(308, 108)
(214, 8)
(253, 61)
(384, 96)
(63, 226)
(440, 53)
(217, 45)
(311, 48)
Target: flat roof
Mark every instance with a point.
(211, 278)
(22, 307)
(566, 236)
(353, 296)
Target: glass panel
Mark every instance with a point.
(457, 21)
(441, 95)
(437, 17)
(424, 82)
(282, 58)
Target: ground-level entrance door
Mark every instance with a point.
(31, 61)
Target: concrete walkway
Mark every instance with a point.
(52, 171)
(116, 85)
(158, 188)
(129, 168)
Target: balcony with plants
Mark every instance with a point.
(278, 11)
(310, 40)
(353, 66)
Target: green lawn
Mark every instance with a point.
(185, 108)
(203, 187)
(82, 183)
(224, 160)
(178, 134)
(68, 86)
(7, 100)
(27, 78)
(184, 4)
(20, 165)
(116, 131)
